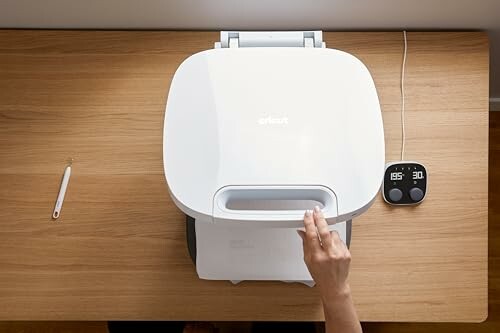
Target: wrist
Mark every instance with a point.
(333, 296)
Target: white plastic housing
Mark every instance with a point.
(290, 124)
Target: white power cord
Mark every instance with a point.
(403, 68)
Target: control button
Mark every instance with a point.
(416, 194)
(395, 194)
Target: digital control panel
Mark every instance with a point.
(405, 183)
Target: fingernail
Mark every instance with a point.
(307, 213)
(316, 209)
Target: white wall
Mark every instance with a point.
(261, 14)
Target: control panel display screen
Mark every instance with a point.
(398, 175)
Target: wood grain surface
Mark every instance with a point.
(118, 251)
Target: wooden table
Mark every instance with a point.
(119, 252)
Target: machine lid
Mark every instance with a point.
(272, 117)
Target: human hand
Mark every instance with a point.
(326, 256)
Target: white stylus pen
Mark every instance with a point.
(62, 192)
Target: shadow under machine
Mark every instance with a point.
(259, 129)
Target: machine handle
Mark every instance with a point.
(272, 206)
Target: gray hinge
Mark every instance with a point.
(270, 39)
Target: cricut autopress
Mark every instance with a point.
(258, 129)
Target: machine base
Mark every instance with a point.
(191, 236)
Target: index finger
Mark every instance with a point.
(322, 226)
(311, 233)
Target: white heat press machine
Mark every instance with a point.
(259, 129)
